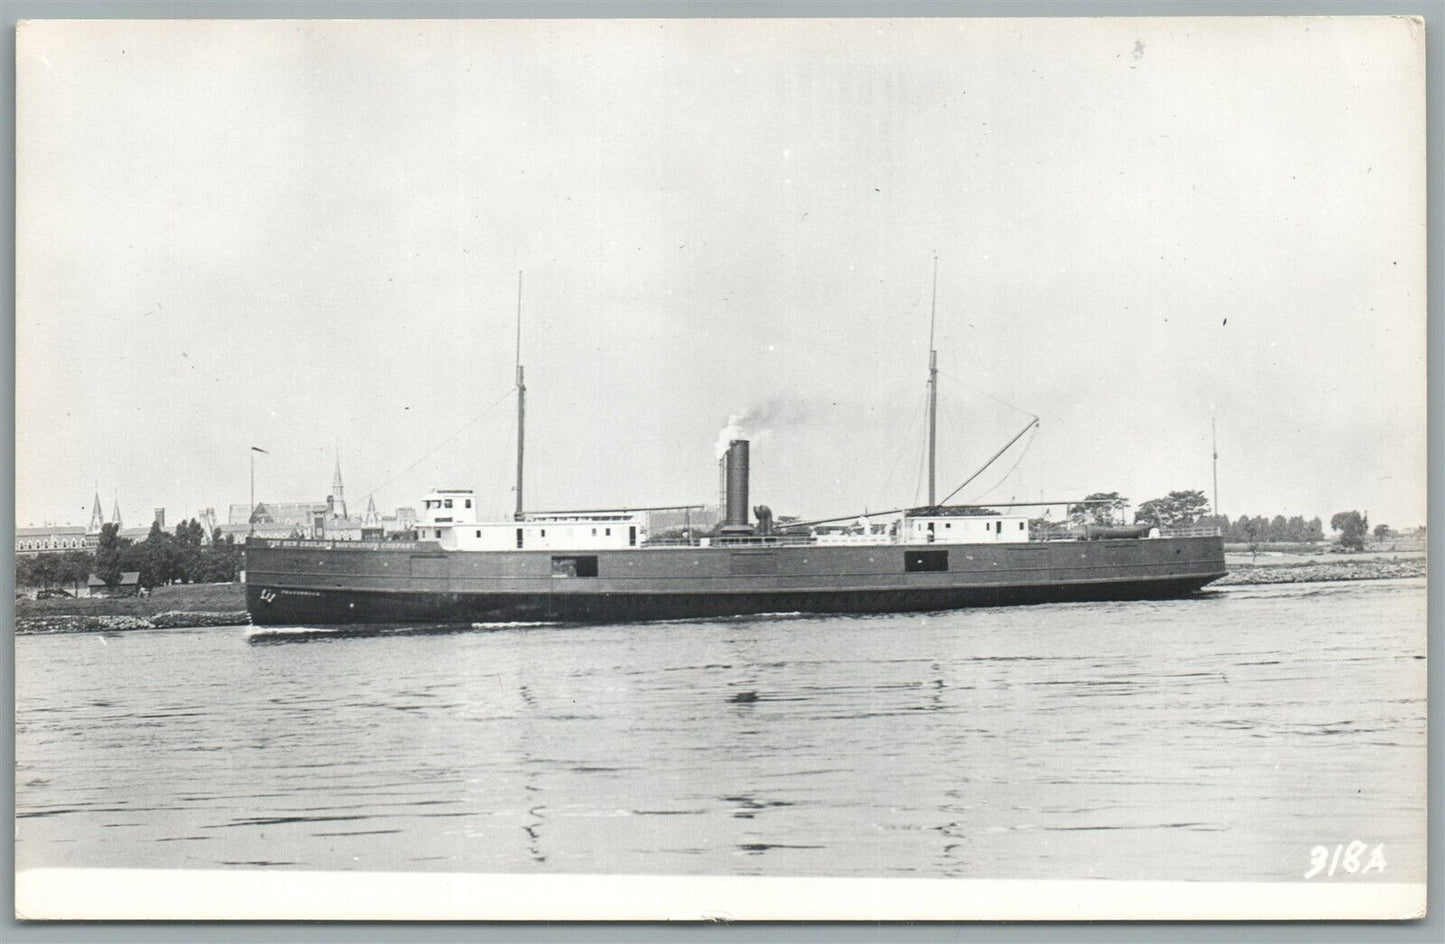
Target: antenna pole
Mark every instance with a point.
(1214, 448)
(521, 400)
(932, 388)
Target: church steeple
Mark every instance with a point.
(372, 518)
(115, 514)
(97, 517)
(338, 497)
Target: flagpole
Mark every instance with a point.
(521, 402)
(251, 513)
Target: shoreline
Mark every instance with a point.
(58, 623)
(1323, 572)
(168, 607)
(223, 604)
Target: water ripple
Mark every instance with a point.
(1207, 739)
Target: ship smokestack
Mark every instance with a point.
(736, 520)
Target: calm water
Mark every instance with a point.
(1216, 738)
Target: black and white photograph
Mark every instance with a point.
(856, 469)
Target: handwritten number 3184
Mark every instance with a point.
(1349, 858)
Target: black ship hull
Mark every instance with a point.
(370, 606)
(313, 582)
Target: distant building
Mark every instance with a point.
(128, 586)
(52, 540)
(58, 539)
(207, 518)
(328, 519)
(403, 520)
(277, 513)
(239, 532)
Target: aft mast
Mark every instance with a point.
(932, 387)
(521, 401)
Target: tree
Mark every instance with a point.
(1177, 509)
(47, 570)
(108, 555)
(1383, 531)
(156, 559)
(74, 569)
(30, 571)
(1044, 527)
(1100, 508)
(1252, 531)
(1352, 527)
(187, 553)
(1216, 521)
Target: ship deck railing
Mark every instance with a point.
(1066, 534)
(758, 540)
(1195, 531)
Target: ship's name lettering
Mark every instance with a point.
(338, 545)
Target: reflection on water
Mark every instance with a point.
(1214, 738)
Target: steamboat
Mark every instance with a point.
(603, 565)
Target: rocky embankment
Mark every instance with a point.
(96, 623)
(1373, 569)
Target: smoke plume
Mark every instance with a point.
(757, 423)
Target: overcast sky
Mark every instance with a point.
(306, 237)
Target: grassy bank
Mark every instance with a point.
(214, 604)
(188, 598)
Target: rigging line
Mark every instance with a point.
(903, 446)
(922, 451)
(1028, 444)
(981, 391)
(1023, 452)
(992, 459)
(427, 455)
(922, 462)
